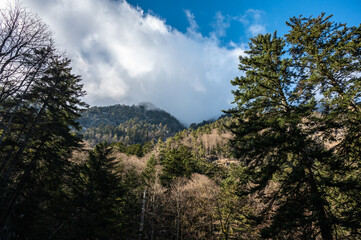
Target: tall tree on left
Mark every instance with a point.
(39, 105)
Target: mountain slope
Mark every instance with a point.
(128, 124)
(209, 141)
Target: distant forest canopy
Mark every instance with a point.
(135, 124)
(120, 113)
(128, 124)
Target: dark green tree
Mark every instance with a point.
(231, 211)
(40, 102)
(98, 197)
(150, 170)
(41, 141)
(295, 129)
(177, 162)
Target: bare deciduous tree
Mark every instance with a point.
(39, 102)
(193, 205)
(25, 46)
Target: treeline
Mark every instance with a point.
(133, 131)
(116, 114)
(127, 124)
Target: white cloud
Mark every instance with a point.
(193, 29)
(252, 20)
(256, 29)
(127, 56)
(220, 26)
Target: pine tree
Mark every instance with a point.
(231, 211)
(177, 162)
(291, 103)
(98, 197)
(40, 143)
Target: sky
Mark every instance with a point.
(178, 55)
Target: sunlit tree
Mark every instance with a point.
(297, 128)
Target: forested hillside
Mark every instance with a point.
(127, 124)
(182, 188)
(284, 163)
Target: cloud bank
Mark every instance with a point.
(127, 56)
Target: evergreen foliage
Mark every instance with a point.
(296, 128)
(40, 102)
(128, 124)
(135, 149)
(178, 162)
(40, 137)
(233, 211)
(98, 197)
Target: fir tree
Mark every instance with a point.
(98, 197)
(291, 103)
(40, 143)
(178, 162)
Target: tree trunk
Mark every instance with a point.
(319, 208)
(142, 215)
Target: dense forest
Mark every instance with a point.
(284, 163)
(127, 124)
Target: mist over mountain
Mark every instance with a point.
(128, 124)
(127, 55)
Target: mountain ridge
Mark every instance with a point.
(130, 124)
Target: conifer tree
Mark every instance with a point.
(40, 102)
(98, 196)
(293, 107)
(41, 137)
(178, 162)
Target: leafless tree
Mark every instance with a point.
(39, 102)
(155, 213)
(192, 202)
(25, 47)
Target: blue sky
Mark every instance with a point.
(273, 14)
(178, 55)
